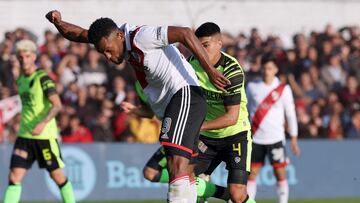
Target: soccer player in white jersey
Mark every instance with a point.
(168, 80)
(270, 103)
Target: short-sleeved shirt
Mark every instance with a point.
(34, 91)
(218, 100)
(160, 68)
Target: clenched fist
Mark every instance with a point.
(54, 16)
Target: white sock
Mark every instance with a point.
(179, 189)
(283, 191)
(251, 188)
(193, 195)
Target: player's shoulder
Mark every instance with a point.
(230, 63)
(255, 83)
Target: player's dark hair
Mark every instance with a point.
(100, 28)
(207, 29)
(268, 57)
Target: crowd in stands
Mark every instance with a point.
(322, 68)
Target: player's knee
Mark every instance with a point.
(58, 176)
(150, 174)
(178, 165)
(15, 178)
(237, 193)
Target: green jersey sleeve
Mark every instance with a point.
(235, 75)
(47, 85)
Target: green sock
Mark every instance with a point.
(67, 193)
(164, 178)
(204, 189)
(12, 193)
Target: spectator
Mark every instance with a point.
(102, 131)
(350, 95)
(69, 70)
(333, 74)
(77, 132)
(93, 71)
(354, 130)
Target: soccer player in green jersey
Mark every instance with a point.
(225, 135)
(38, 131)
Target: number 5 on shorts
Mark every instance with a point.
(46, 154)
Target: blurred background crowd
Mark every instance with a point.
(322, 68)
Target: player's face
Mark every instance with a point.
(212, 44)
(270, 69)
(27, 61)
(112, 47)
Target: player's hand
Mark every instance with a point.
(294, 146)
(54, 16)
(218, 80)
(128, 107)
(38, 128)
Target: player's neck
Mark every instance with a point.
(268, 80)
(215, 60)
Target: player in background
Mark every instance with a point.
(270, 104)
(38, 130)
(225, 134)
(168, 80)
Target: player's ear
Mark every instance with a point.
(119, 34)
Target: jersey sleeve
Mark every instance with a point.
(141, 94)
(47, 85)
(235, 74)
(150, 37)
(290, 112)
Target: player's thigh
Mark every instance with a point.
(258, 155)
(48, 154)
(237, 155)
(182, 121)
(280, 173)
(277, 154)
(208, 158)
(16, 175)
(23, 154)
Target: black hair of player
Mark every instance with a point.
(268, 57)
(207, 29)
(100, 28)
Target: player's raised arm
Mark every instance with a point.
(69, 31)
(186, 36)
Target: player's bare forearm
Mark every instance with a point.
(69, 31)
(55, 109)
(186, 36)
(144, 111)
(228, 119)
(53, 112)
(72, 32)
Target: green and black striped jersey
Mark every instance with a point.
(34, 91)
(217, 100)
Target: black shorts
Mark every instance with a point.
(46, 152)
(275, 152)
(235, 151)
(183, 118)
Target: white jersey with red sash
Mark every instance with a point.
(269, 105)
(160, 68)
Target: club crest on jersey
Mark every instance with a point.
(166, 127)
